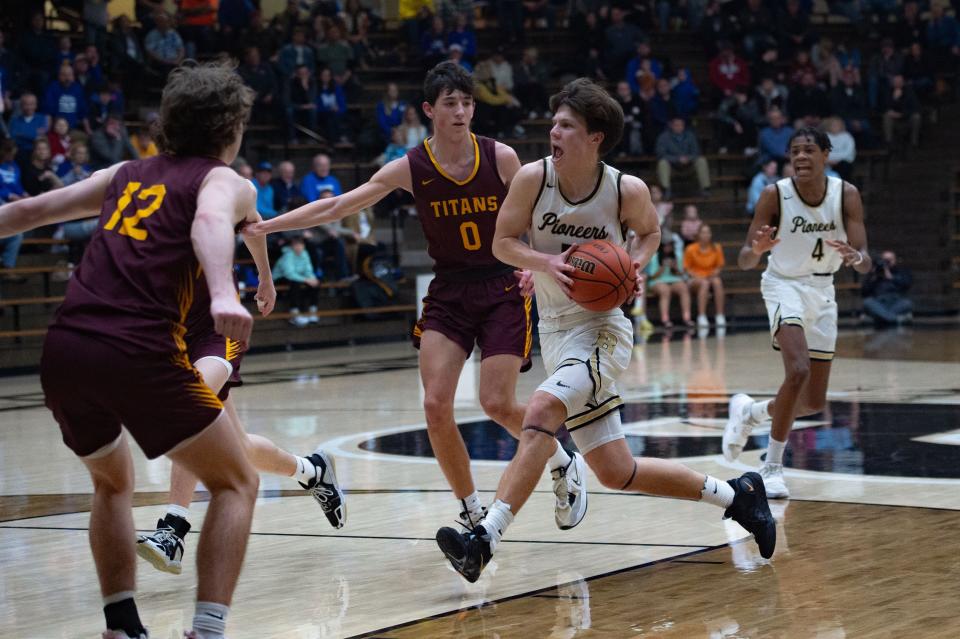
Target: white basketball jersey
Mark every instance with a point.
(804, 229)
(559, 223)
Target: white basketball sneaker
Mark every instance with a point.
(773, 481)
(570, 487)
(738, 428)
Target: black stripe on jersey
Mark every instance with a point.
(826, 184)
(776, 223)
(543, 183)
(623, 226)
(596, 188)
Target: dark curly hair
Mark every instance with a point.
(599, 110)
(202, 109)
(446, 78)
(819, 137)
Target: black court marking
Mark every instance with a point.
(863, 438)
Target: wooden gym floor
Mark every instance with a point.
(867, 546)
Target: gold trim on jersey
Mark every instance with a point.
(528, 340)
(594, 413)
(436, 165)
(185, 292)
(232, 350)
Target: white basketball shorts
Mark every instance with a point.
(808, 302)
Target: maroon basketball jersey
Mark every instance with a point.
(137, 280)
(459, 218)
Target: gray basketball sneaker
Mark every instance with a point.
(570, 488)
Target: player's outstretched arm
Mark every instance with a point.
(224, 200)
(257, 245)
(394, 175)
(513, 221)
(760, 237)
(854, 250)
(77, 201)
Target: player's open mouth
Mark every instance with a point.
(557, 152)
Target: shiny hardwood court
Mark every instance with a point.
(867, 547)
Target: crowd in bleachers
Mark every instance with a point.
(66, 94)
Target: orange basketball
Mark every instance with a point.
(604, 277)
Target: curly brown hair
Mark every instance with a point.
(202, 109)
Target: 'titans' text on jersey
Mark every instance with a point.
(559, 223)
(804, 229)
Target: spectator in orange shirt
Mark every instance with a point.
(703, 261)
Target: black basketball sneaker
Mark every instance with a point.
(164, 547)
(326, 490)
(467, 552)
(750, 510)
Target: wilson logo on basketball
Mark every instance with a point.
(583, 265)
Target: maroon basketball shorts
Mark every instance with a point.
(209, 344)
(490, 313)
(93, 387)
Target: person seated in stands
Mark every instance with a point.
(690, 224)
(498, 112)
(59, 139)
(37, 173)
(296, 54)
(65, 98)
(662, 107)
(686, 95)
(455, 55)
(11, 190)
(663, 207)
(261, 181)
(678, 150)
(808, 102)
(901, 112)
(285, 186)
(727, 72)
(111, 144)
(765, 177)
(259, 76)
(294, 269)
(531, 76)
(665, 277)
(28, 125)
(918, 71)
(390, 110)
(848, 100)
(737, 120)
(300, 99)
(142, 140)
(395, 150)
(327, 244)
(703, 262)
(336, 54)
(885, 291)
(631, 143)
(433, 43)
(106, 98)
(414, 131)
(163, 45)
(843, 148)
(770, 94)
(320, 179)
(332, 108)
(643, 70)
(463, 35)
(77, 166)
(773, 138)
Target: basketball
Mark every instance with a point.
(604, 277)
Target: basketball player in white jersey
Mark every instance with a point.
(812, 225)
(556, 202)
(474, 298)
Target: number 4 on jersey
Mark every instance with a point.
(818, 250)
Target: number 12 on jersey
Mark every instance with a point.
(129, 226)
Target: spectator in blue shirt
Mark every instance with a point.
(320, 179)
(635, 66)
(261, 180)
(164, 46)
(297, 54)
(103, 101)
(10, 190)
(77, 166)
(774, 137)
(29, 125)
(766, 177)
(390, 110)
(65, 99)
(331, 108)
(64, 54)
(433, 44)
(463, 35)
(686, 95)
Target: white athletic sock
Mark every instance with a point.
(118, 597)
(495, 523)
(759, 412)
(306, 472)
(210, 619)
(775, 451)
(473, 505)
(559, 459)
(717, 492)
(178, 511)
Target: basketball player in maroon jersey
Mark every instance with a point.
(218, 359)
(459, 181)
(115, 352)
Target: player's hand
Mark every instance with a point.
(231, 319)
(850, 255)
(763, 239)
(266, 296)
(525, 279)
(254, 229)
(558, 269)
(638, 285)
